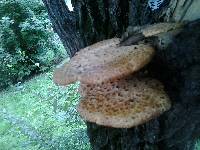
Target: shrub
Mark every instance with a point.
(27, 43)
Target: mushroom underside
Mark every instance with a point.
(124, 103)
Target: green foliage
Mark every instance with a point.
(27, 43)
(40, 115)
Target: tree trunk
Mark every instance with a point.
(64, 24)
(178, 67)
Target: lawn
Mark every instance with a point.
(40, 115)
(197, 145)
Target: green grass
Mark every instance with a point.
(197, 147)
(40, 115)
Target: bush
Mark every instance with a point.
(27, 43)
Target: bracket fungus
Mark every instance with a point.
(102, 62)
(135, 34)
(123, 103)
(112, 92)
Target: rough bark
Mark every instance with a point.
(178, 67)
(63, 22)
(178, 10)
(102, 19)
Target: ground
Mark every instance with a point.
(40, 115)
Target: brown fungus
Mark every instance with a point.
(159, 28)
(110, 96)
(138, 34)
(152, 30)
(123, 104)
(103, 62)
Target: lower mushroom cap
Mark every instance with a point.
(123, 104)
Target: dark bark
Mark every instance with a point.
(63, 22)
(178, 67)
(102, 19)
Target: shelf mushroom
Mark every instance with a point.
(136, 34)
(103, 61)
(112, 93)
(123, 103)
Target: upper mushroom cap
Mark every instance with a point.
(159, 28)
(134, 34)
(102, 62)
(154, 29)
(123, 104)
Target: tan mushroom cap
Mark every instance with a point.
(151, 30)
(59, 73)
(159, 28)
(102, 62)
(123, 104)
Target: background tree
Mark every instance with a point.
(177, 67)
(27, 44)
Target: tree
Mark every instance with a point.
(27, 44)
(176, 67)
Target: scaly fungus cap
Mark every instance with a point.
(123, 104)
(135, 34)
(155, 29)
(102, 62)
(159, 28)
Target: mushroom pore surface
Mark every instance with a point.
(123, 103)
